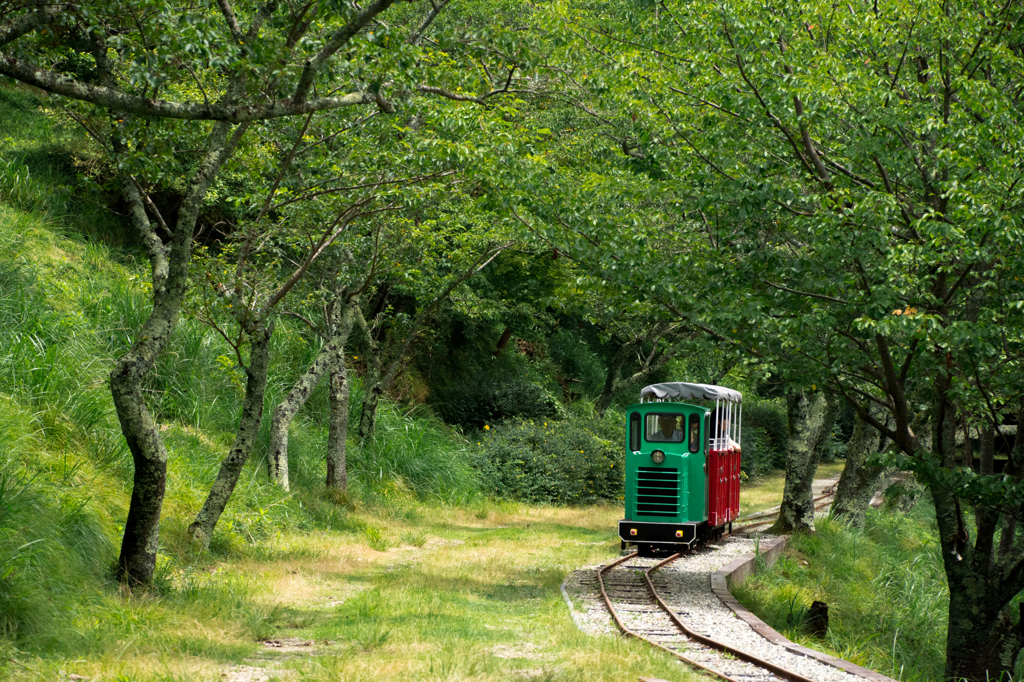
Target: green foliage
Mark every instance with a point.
(575, 462)
(766, 420)
(577, 362)
(504, 388)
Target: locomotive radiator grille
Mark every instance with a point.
(657, 491)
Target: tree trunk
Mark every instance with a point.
(284, 413)
(337, 433)
(329, 355)
(859, 480)
(337, 475)
(810, 423)
(248, 430)
(987, 450)
(368, 413)
(968, 449)
(169, 264)
(142, 527)
(503, 341)
(981, 643)
(650, 365)
(611, 380)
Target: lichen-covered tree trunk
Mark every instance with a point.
(284, 413)
(169, 264)
(811, 418)
(337, 475)
(982, 643)
(368, 413)
(201, 529)
(373, 383)
(859, 480)
(141, 529)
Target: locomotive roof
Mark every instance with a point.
(679, 390)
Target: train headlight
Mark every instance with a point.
(679, 533)
(657, 456)
(632, 531)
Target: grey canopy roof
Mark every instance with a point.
(678, 390)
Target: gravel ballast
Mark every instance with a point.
(685, 585)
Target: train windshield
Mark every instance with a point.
(664, 428)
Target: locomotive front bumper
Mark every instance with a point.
(658, 533)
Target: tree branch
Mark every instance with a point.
(27, 23)
(435, 9)
(335, 43)
(229, 17)
(803, 293)
(118, 100)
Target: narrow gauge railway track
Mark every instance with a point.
(819, 503)
(631, 595)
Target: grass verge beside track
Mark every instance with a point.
(884, 586)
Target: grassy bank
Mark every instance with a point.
(884, 586)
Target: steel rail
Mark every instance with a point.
(774, 514)
(622, 626)
(713, 643)
(687, 632)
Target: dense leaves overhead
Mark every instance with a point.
(838, 193)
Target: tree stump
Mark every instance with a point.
(816, 620)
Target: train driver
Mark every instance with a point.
(667, 431)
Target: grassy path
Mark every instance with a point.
(414, 592)
(477, 600)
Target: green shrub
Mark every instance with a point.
(767, 420)
(556, 462)
(759, 456)
(577, 361)
(494, 396)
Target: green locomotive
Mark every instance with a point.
(682, 466)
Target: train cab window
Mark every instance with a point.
(694, 423)
(634, 432)
(707, 432)
(664, 428)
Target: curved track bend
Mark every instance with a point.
(631, 595)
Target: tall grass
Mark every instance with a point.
(418, 455)
(885, 588)
(51, 544)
